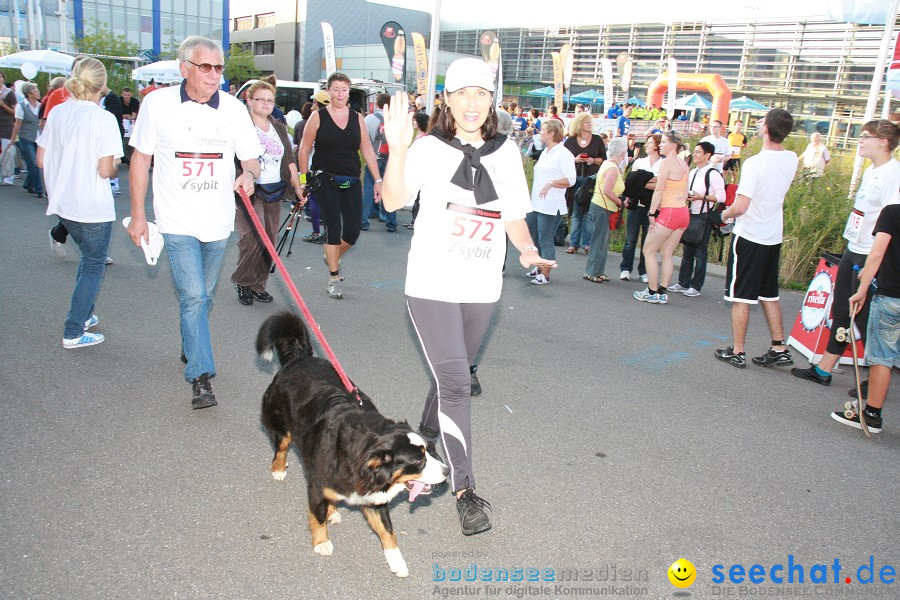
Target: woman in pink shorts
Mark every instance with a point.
(668, 219)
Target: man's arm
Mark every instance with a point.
(247, 180)
(740, 206)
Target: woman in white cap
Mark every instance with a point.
(472, 195)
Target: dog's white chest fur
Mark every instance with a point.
(375, 498)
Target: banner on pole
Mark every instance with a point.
(557, 81)
(608, 88)
(673, 88)
(394, 39)
(421, 63)
(489, 44)
(625, 67)
(330, 61)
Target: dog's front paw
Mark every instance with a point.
(326, 548)
(279, 475)
(396, 562)
(334, 518)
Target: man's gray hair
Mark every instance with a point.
(28, 86)
(191, 44)
(617, 147)
(504, 123)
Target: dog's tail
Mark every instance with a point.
(285, 334)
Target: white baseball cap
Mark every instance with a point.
(468, 72)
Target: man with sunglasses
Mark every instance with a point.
(193, 133)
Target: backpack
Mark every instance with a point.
(381, 145)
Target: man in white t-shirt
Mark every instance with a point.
(193, 133)
(720, 142)
(753, 262)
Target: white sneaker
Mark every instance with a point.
(56, 248)
(109, 261)
(625, 275)
(691, 292)
(645, 279)
(677, 288)
(540, 280)
(533, 273)
(9, 181)
(86, 339)
(91, 322)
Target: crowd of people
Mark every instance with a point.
(461, 170)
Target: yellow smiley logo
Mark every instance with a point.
(682, 573)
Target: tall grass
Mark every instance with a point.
(815, 213)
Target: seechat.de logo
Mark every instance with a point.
(682, 573)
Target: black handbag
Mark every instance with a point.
(271, 192)
(696, 229)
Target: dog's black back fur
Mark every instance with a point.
(339, 437)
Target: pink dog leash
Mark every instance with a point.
(296, 294)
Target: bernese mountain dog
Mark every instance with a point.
(351, 453)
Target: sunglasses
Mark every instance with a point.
(206, 67)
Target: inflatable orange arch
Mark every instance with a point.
(713, 83)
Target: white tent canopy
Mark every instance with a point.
(47, 61)
(164, 71)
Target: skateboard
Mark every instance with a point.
(841, 336)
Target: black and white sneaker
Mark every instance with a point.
(475, 384)
(735, 359)
(850, 416)
(773, 358)
(203, 395)
(472, 517)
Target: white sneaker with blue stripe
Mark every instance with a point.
(86, 339)
(91, 322)
(645, 296)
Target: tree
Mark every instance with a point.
(170, 49)
(104, 43)
(239, 65)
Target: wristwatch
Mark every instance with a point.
(527, 248)
(378, 181)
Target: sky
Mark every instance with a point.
(478, 14)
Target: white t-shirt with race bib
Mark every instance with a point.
(194, 146)
(458, 246)
(77, 135)
(879, 188)
(765, 179)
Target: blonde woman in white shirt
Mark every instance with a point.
(553, 174)
(79, 151)
(472, 195)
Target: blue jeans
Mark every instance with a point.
(582, 224)
(596, 260)
(636, 221)
(543, 229)
(692, 272)
(883, 337)
(93, 241)
(195, 270)
(390, 218)
(33, 181)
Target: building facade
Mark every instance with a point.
(820, 71)
(286, 35)
(154, 25)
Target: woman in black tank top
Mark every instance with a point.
(339, 135)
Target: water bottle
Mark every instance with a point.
(873, 287)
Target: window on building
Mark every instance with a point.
(267, 47)
(243, 23)
(267, 20)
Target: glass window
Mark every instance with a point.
(267, 47)
(165, 6)
(204, 10)
(267, 20)
(243, 23)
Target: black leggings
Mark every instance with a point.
(845, 285)
(451, 334)
(341, 211)
(59, 233)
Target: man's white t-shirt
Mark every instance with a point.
(194, 146)
(765, 179)
(643, 164)
(458, 246)
(723, 150)
(76, 136)
(879, 188)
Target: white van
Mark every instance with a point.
(291, 95)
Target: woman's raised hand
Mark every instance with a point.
(398, 123)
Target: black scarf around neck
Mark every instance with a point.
(471, 174)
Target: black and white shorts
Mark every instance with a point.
(752, 272)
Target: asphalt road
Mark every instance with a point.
(608, 440)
